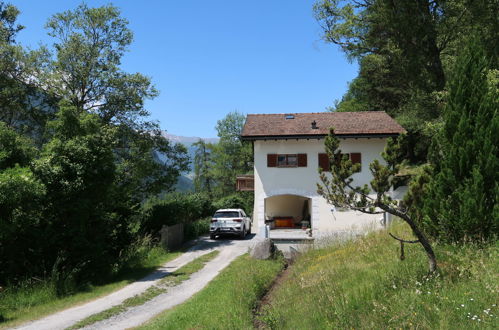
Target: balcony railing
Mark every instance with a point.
(245, 182)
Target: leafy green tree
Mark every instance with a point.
(99, 159)
(460, 192)
(406, 51)
(231, 155)
(89, 45)
(77, 167)
(22, 105)
(21, 220)
(15, 149)
(202, 164)
(338, 190)
(21, 205)
(405, 32)
(148, 164)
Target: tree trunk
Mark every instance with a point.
(432, 260)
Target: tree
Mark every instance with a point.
(21, 205)
(148, 163)
(89, 44)
(22, 105)
(95, 157)
(231, 155)
(338, 190)
(77, 167)
(202, 164)
(406, 51)
(460, 191)
(15, 149)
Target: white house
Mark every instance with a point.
(289, 149)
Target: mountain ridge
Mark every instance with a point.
(185, 180)
(186, 139)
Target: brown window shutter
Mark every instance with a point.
(324, 162)
(355, 158)
(302, 160)
(271, 160)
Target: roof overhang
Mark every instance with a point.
(316, 137)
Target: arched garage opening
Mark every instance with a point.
(288, 211)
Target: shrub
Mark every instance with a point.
(173, 209)
(197, 228)
(21, 221)
(240, 200)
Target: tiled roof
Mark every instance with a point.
(344, 123)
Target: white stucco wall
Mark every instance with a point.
(302, 181)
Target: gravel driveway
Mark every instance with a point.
(229, 250)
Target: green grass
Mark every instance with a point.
(364, 285)
(174, 278)
(30, 302)
(227, 302)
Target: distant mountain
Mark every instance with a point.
(185, 180)
(187, 140)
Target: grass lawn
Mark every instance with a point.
(227, 302)
(364, 285)
(35, 301)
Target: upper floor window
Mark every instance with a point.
(355, 157)
(287, 160)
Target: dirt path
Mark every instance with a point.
(229, 250)
(138, 315)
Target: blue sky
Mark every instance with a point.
(208, 58)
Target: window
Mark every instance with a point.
(355, 157)
(287, 160)
(226, 214)
(324, 162)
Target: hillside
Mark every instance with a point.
(364, 285)
(185, 180)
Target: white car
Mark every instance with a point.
(230, 221)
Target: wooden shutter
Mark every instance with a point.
(355, 158)
(271, 160)
(302, 160)
(324, 162)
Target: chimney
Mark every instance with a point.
(314, 125)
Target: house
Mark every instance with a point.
(289, 149)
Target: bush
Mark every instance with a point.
(173, 209)
(240, 200)
(20, 224)
(197, 228)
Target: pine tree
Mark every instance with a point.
(202, 164)
(460, 201)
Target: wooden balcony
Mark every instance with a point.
(245, 182)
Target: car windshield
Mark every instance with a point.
(229, 214)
